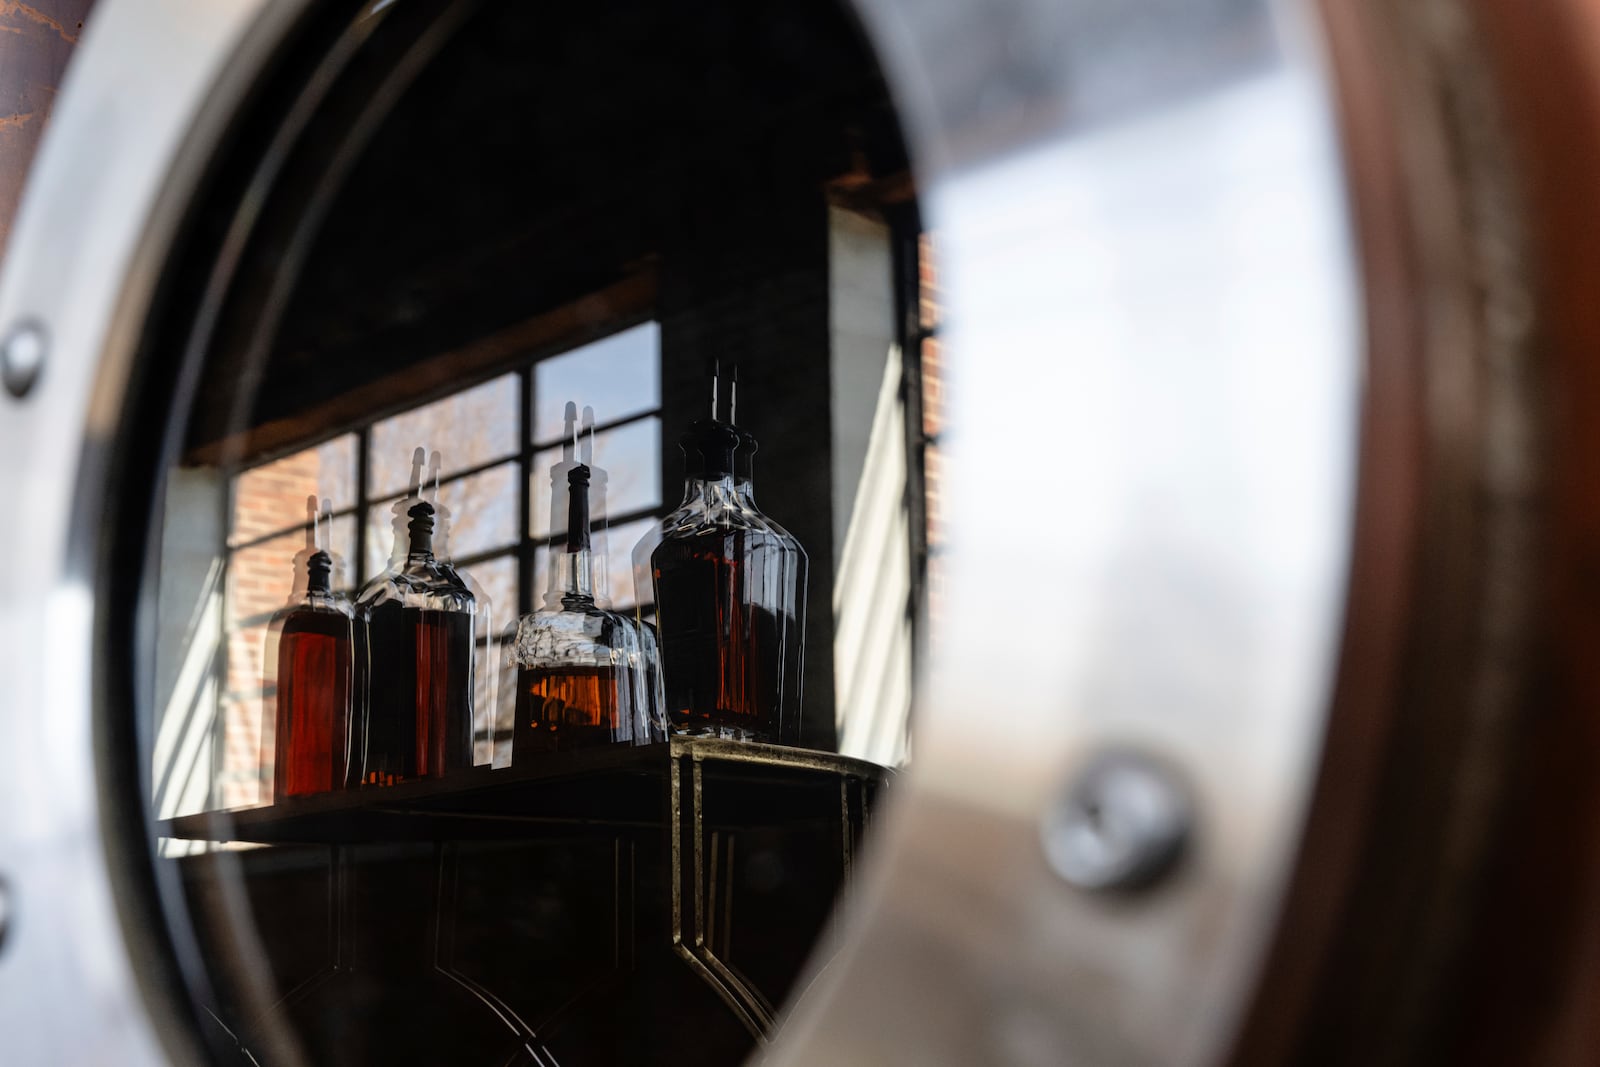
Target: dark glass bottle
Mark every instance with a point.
(485, 638)
(584, 675)
(416, 661)
(722, 590)
(791, 616)
(316, 666)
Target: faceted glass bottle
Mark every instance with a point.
(721, 590)
(416, 662)
(316, 667)
(796, 568)
(584, 675)
(485, 638)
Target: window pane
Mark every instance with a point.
(617, 376)
(342, 546)
(482, 515)
(272, 497)
(629, 457)
(619, 561)
(497, 578)
(261, 577)
(468, 429)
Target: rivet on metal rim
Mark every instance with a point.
(1121, 824)
(5, 911)
(22, 354)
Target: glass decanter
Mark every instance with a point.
(584, 675)
(725, 586)
(486, 683)
(416, 660)
(315, 666)
(791, 604)
(316, 662)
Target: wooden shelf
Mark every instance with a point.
(616, 786)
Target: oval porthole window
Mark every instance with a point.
(544, 560)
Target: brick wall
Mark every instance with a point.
(259, 582)
(929, 301)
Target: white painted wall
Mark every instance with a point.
(188, 642)
(872, 545)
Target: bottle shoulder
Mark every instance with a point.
(769, 523)
(574, 636)
(335, 619)
(426, 588)
(457, 579)
(718, 521)
(722, 539)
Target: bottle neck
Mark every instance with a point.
(420, 529)
(578, 510)
(572, 584)
(319, 574)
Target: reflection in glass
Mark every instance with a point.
(246, 703)
(569, 919)
(485, 634)
(619, 563)
(630, 456)
(310, 673)
(791, 616)
(476, 426)
(725, 597)
(497, 577)
(584, 675)
(482, 515)
(492, 692)
(415, 661)
(266, 499)
(261, 576)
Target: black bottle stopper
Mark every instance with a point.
(708, 448)
(578, 509)
(421, 528)
(319, 572)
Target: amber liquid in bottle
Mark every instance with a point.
(563, 708)
(420, 720)
(416, 666)
(571, 691)
(720, 650)
(313, 729)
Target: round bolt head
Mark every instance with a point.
(22, 355)
(1121, 824)
(5, 911)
